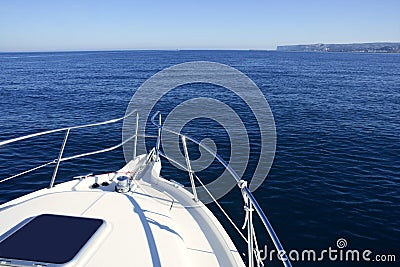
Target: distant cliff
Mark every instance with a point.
(358, 47)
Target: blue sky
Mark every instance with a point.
(56, 25)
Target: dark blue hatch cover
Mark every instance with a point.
(49, 238)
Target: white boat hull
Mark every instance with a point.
(156, 223)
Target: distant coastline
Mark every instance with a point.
(355, 47)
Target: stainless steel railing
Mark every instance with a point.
(67, 131)
(251, 203)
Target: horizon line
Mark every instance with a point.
(184, 49)
(128, 49)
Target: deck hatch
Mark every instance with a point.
(49, 238)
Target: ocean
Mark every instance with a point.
(336, 172)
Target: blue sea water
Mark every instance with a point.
(336, 173)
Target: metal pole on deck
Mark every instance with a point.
(53, 178)
(250, 233)
(158, 137)
(189, 168)
(136, 134)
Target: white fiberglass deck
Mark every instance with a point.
(157, 223)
